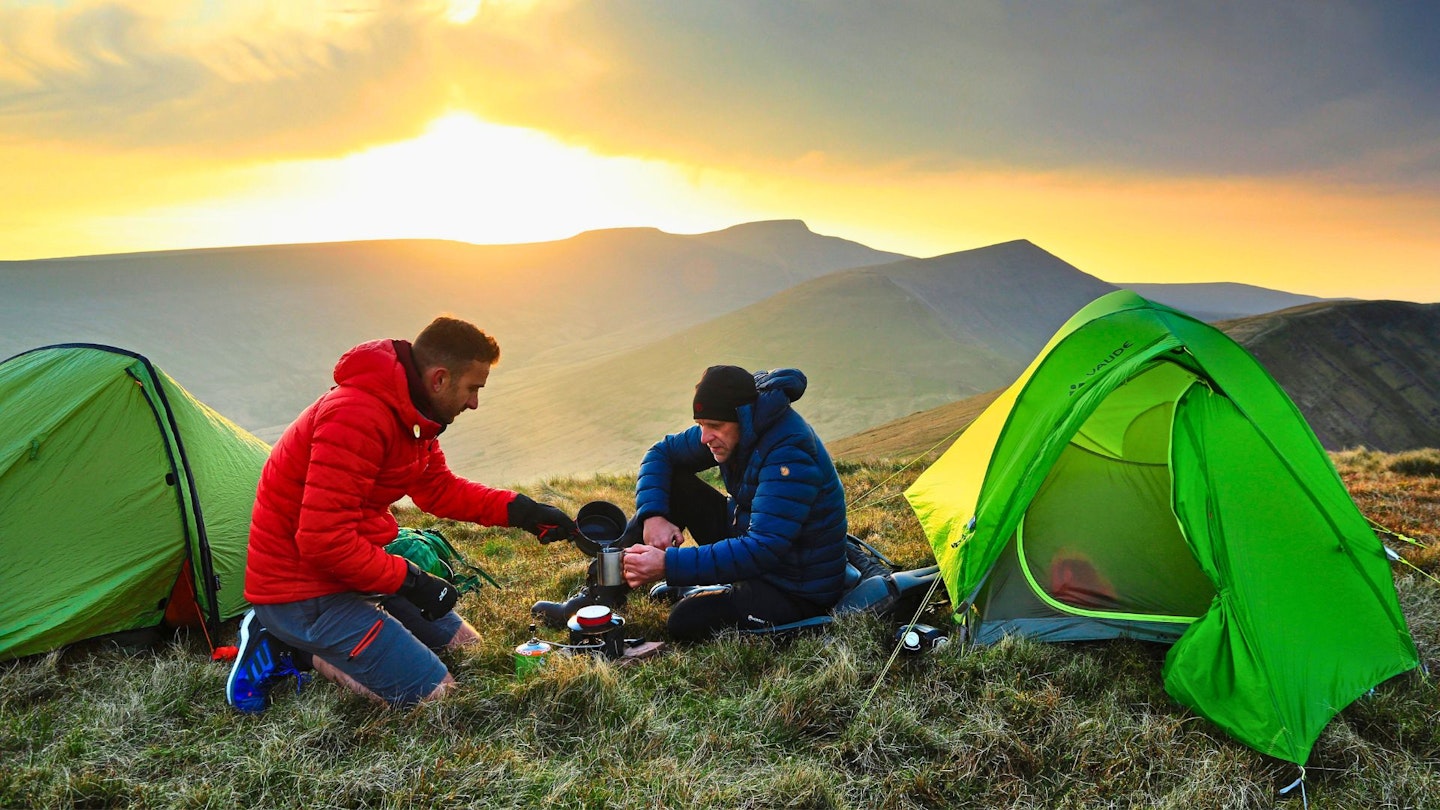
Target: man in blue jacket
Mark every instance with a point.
(776, 545)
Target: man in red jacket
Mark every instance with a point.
(325, 592)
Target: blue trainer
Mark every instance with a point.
(261, 662)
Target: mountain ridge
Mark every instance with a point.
(875, 342)
(1222, 300)
(259, 327)
(603, 334)
(1360, 373)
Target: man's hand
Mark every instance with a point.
(433, 595)
(541, 519)
(643, 563)
(661, 533)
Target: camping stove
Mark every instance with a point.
(599, 630)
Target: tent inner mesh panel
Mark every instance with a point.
(1099, 539)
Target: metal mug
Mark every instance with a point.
(612, 568)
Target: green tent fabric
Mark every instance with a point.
(1145, 477)
(117, 489)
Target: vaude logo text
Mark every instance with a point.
(1110, 358)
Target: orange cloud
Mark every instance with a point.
(922, 130)
(1302, 236)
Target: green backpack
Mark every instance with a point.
(431, 552)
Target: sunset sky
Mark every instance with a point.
(1293, 145)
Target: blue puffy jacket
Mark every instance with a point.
(787, 508)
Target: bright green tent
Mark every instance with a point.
(121, 495)
(1146, 478)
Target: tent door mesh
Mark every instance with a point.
(1099, 552)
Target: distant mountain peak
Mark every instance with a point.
(605, 233)
(769, 227)
(1018, 261)
(1013, 248)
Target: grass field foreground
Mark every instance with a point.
(738, 722)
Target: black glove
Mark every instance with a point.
(541, 519)
(433, 595)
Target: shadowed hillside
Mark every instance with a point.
(1363, 373)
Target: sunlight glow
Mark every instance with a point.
(464, 179)
(461, 12)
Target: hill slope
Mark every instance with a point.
(925, 434)
(1363, 373)
(254, 331)
(875, 342)
(603, 334)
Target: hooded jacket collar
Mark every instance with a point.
(416, 385)
(380, 368)
(777, 389)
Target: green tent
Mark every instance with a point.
(1146, 478)
(121, 496)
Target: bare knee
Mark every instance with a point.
(464, 634)
(441, 688)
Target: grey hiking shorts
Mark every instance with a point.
(381, 641)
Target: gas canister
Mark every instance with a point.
(531, 655)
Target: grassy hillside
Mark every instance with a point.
(255, 331)
(859, 346)
(876, 343)
(738, 722)
(1363, 373)
(925, 434)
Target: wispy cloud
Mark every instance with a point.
(123, 76)
(1255, 88)
(1186, 88)
(1118, 133)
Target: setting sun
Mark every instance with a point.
(463, 179)
(462, 11)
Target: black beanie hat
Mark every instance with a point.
(721, 390)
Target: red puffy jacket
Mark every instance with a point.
(322, 511)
